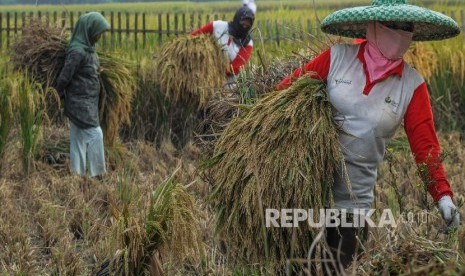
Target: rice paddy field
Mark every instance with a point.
(179, 163)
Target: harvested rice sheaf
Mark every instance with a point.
(191, 69)
(282, 155)
(41, 51)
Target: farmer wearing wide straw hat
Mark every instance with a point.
(234, 37)
(78, 84)
(373, 91)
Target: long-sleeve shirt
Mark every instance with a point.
(372, 111)
(79, 78)
(238, 55)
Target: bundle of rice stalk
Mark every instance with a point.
(173, 224)
(116, 93)
(191, 68)
(41, 51)
(281, 155)
(253, 83)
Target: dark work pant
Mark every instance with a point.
(344, 246)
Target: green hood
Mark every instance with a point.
(89, 25)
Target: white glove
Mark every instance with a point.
(449, 213)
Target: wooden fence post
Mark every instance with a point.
(136, 18)
(144, 34)
(120, 35)
(112, 31)
(277, 31)
(160, 29)
(15, 26)
(127, 30)
(176, 24)
(23, 19)
(8, 30)
(104, 36)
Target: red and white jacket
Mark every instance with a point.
(238, 56)
(371, 112)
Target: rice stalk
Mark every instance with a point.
(31, 108)
(172, 224)
(191, 69)
(406, 251)
(150, 119)
(282, 154)
(6, 113)
(116, 93)
(445, 81)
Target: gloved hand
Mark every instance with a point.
(449, 213)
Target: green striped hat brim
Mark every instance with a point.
(428, 24)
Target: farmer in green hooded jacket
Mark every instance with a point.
(79, 88)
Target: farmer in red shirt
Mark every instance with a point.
(234, 38)
(373, 91)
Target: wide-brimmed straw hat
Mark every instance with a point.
(428, 24)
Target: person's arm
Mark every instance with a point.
(241, 59)
(320, 65)
(72, 61)
(419, 126)
(206, 29)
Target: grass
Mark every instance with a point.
(6, 111)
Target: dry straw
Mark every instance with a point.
(172, 224)
(191, 69)
(281, 154)
(407, 251)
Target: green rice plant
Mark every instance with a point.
(6, 112)
(442, 64)
(282, 154)
(31, 115)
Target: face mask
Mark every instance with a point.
(392, 44)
